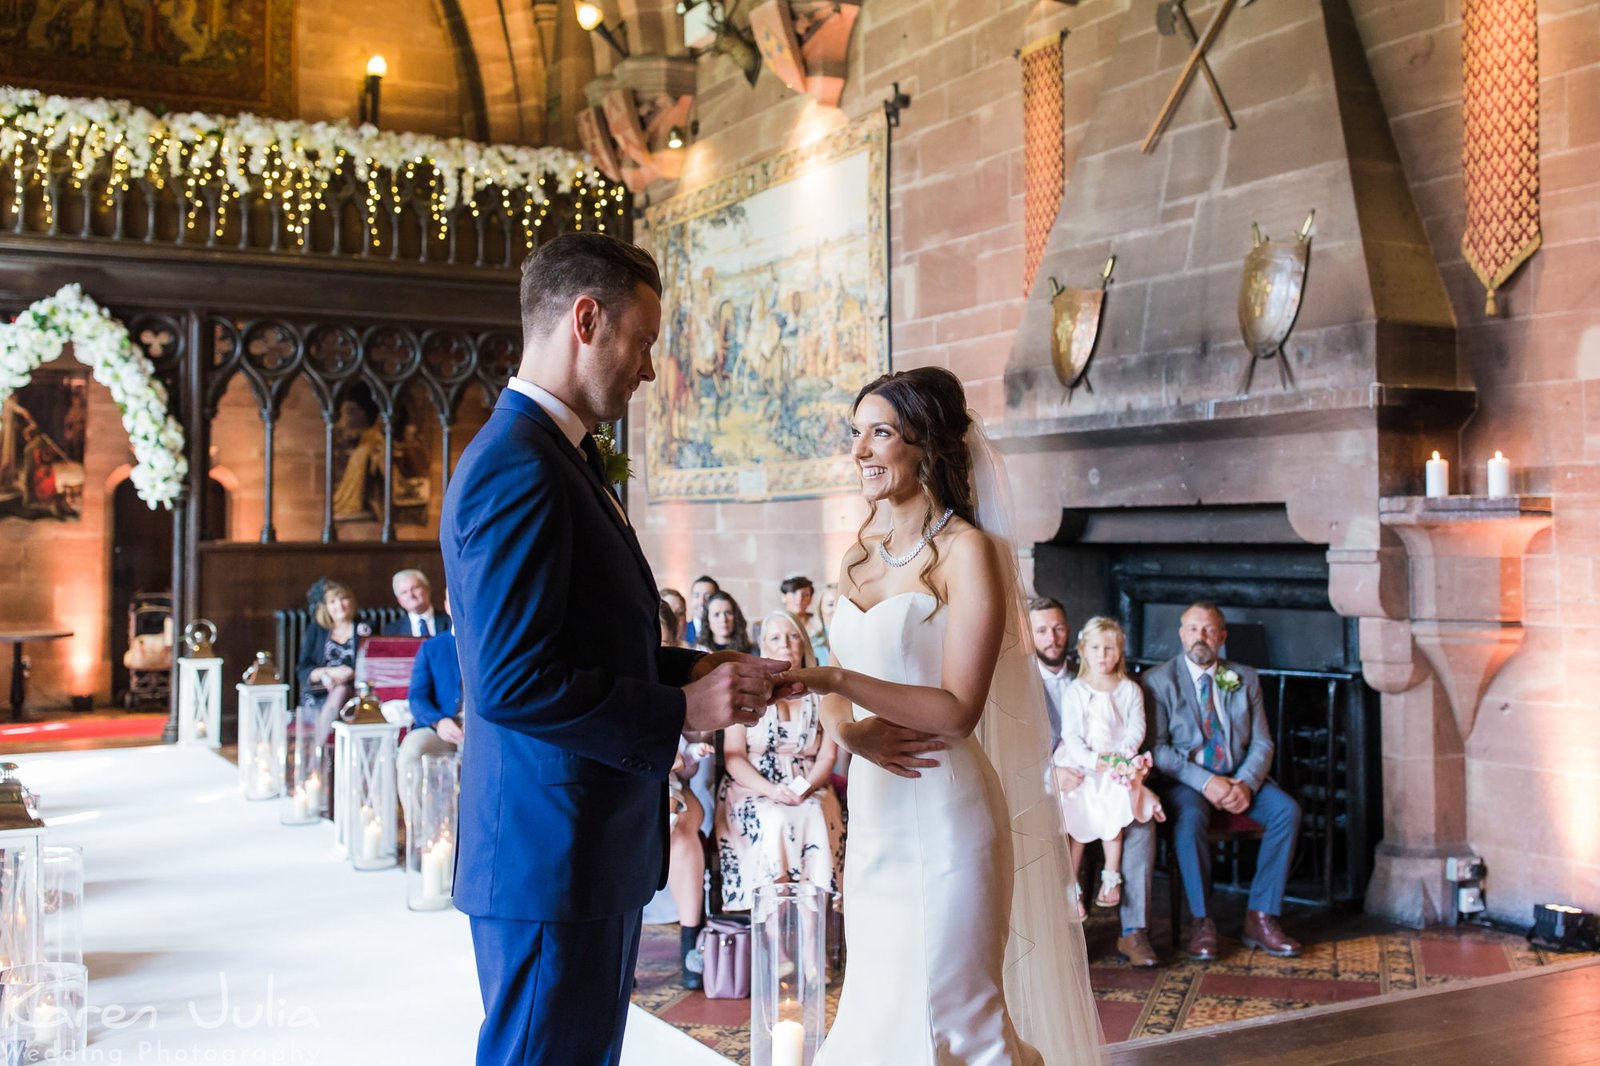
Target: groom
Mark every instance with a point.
(574, 708)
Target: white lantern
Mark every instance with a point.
(365, 799)
(200, 702)
(263, 738)
(21, 836)
(431, 833)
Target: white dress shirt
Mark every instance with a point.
(1056, 683)
(417, 620)
(1195, 674)
(562, 415)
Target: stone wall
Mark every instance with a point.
(1533, 790)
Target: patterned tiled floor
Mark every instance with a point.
(1344, 960)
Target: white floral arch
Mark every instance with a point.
(102, 344)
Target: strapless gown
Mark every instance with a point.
(927, 878)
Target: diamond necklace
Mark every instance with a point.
(916, 549)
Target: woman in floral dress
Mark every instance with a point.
(777, 816)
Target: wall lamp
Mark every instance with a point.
(376, 69)
(593, 20)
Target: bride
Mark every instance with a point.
(962, 948)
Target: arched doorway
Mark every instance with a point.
(141, 559)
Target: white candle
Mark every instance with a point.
(788, 1044)
(1499, 475)
(435, 869)
(46, 1022)
(1438, 477)
(371, 841)
(302, 803)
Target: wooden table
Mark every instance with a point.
(19, 677)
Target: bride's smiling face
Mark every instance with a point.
(888, 464)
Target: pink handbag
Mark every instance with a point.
(725, 947)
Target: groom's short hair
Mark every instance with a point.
(581, 264)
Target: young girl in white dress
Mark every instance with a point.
(1102, 727)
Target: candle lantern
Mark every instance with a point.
(263, 731)
(44, 1010)
(302, 788)
(61, 903)
(20, 842)
(200, 701)
(431, 833)
(788, 973)
(365, 799)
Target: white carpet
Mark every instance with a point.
(215, 935)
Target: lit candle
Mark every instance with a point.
(302, 803)
(1438, 477)
(46, 1022)
(436, 869)
(788, 1044)
(1499, 476)
(371, 841)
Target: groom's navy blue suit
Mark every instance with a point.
(574, 716)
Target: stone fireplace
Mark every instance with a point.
(1322, 469)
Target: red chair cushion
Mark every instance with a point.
(1227, 824)
(385, 664)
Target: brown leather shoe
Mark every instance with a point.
(1261, 930)
(1204, 943)
(1135, 947)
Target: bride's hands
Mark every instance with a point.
(899, 750)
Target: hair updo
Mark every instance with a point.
(931, 406)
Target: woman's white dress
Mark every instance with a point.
(927, 878)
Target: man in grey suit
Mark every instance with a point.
(1213, 745)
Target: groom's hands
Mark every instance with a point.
(729, 689)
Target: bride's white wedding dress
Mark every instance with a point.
(928, 878)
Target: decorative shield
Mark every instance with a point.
(622, 117)
(774, 30)
(597, 142)
(1075, 325)
(1269, 298)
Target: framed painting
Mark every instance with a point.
(774, 314)
(199, 55)
(43, 427)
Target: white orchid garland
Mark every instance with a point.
(285, 159)
(102, 343)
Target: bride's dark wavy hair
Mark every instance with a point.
(932, 408)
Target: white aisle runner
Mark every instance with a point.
(215, 935)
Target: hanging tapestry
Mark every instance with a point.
(1500, 145)
(206, 56)
(1043, 167)
(774, 314)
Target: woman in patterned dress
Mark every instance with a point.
(777, 816)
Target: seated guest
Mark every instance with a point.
(797, 593)
(673, 599)
(703, 587)
(415, 596)
(722, 626)
(1213, 742)
(327, 665)
(1047, 620)
(777, 817)
(1102, 727)
(435, 698)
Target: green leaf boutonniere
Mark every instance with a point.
(1228, 680)
(619, 467)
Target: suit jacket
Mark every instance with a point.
(435, 691)
(1179, 732)
(573, 706)
(401, 627)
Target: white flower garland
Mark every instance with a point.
(102, 343)
(285, 159)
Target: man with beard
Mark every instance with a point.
(1052, 646)
(1213, 743)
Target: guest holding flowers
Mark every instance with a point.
(777, 818)
(1102, 727)
(721, 626)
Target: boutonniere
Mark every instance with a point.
(619, 467)
(1227, 680)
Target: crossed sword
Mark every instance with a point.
(1171, 16)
